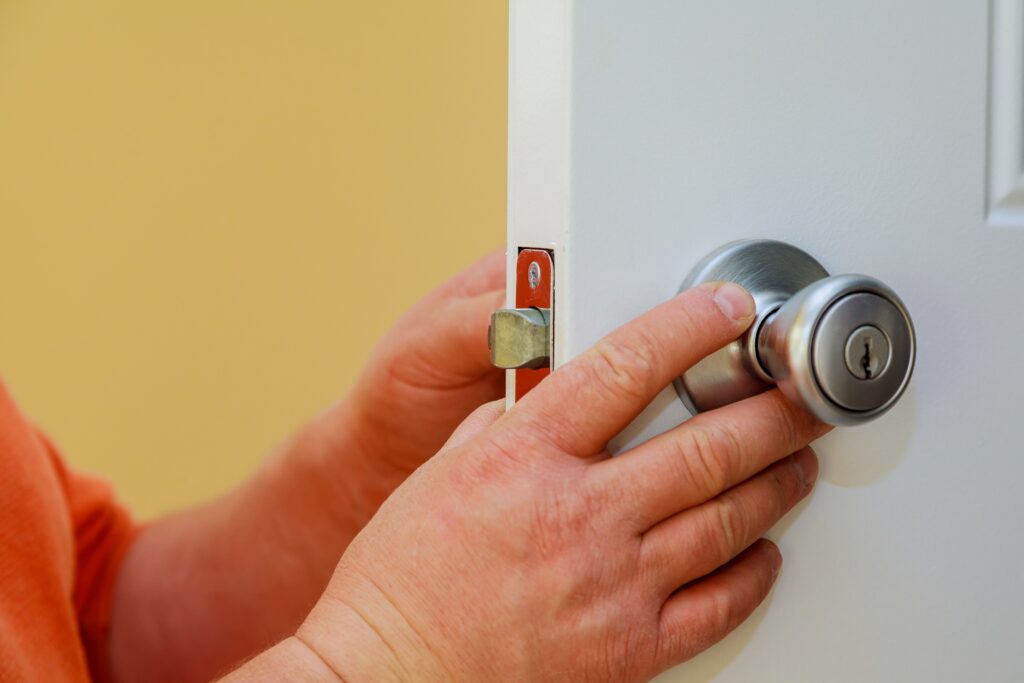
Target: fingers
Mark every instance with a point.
(479, 420)
(706, 455)
(448, 349)
(697, 541)
(703, 613)
(486, 274)
(458, 339)
(590, 399)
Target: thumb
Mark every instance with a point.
(454, 339)
(479, 420)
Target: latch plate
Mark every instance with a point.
(522, 338)
(535, 287)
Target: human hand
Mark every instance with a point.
(426, 375)
(522, 551)
(293, 519)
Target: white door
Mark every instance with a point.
(884, 137)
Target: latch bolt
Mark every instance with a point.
(520, 338)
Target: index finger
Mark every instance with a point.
(586, 402)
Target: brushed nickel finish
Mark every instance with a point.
(843, 347)
(772, 272)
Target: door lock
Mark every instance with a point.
(520, 338)
(843, 346)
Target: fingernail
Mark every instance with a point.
(807, 464)
(774, 555)
(734, 301)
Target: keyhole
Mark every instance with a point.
(867, 353)
(865, 362)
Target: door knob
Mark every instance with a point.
(843, 346)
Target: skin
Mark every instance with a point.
(207, 588)
(520, 551)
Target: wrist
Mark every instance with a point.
(313, 495)
(289, 660)
(334, 455)
(362, 636)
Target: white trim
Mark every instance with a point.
(1006, 114)
(539, 81)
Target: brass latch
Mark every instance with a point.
(520, 338)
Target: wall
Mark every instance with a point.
(210, 210)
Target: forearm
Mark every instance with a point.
(204, 589)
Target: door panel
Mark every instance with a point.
(643, 135)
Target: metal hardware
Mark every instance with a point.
(842, 346)
(735, 372)
(519, 338)
(867, 353)
(533, 274)
(522, 338)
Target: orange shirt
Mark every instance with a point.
(62, 537)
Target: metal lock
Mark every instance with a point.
(843, 346)
(520, 338)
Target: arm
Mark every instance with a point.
(523, 551)
(208, 587)
(203, 589)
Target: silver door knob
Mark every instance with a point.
(843, 347)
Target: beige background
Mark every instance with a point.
(209, 210)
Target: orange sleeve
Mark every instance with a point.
(103, 531)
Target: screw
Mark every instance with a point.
(533, 274)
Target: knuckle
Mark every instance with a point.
(547, 529)
(526, 446)
(729, 529)
(723, 613)
(732, 524)
(560, 520)
(535, 433)
(795, 424)
(492, 447)
(625, 369)
(781, 414)
(488, 463)
(706, 459)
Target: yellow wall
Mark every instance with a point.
(210, 209)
